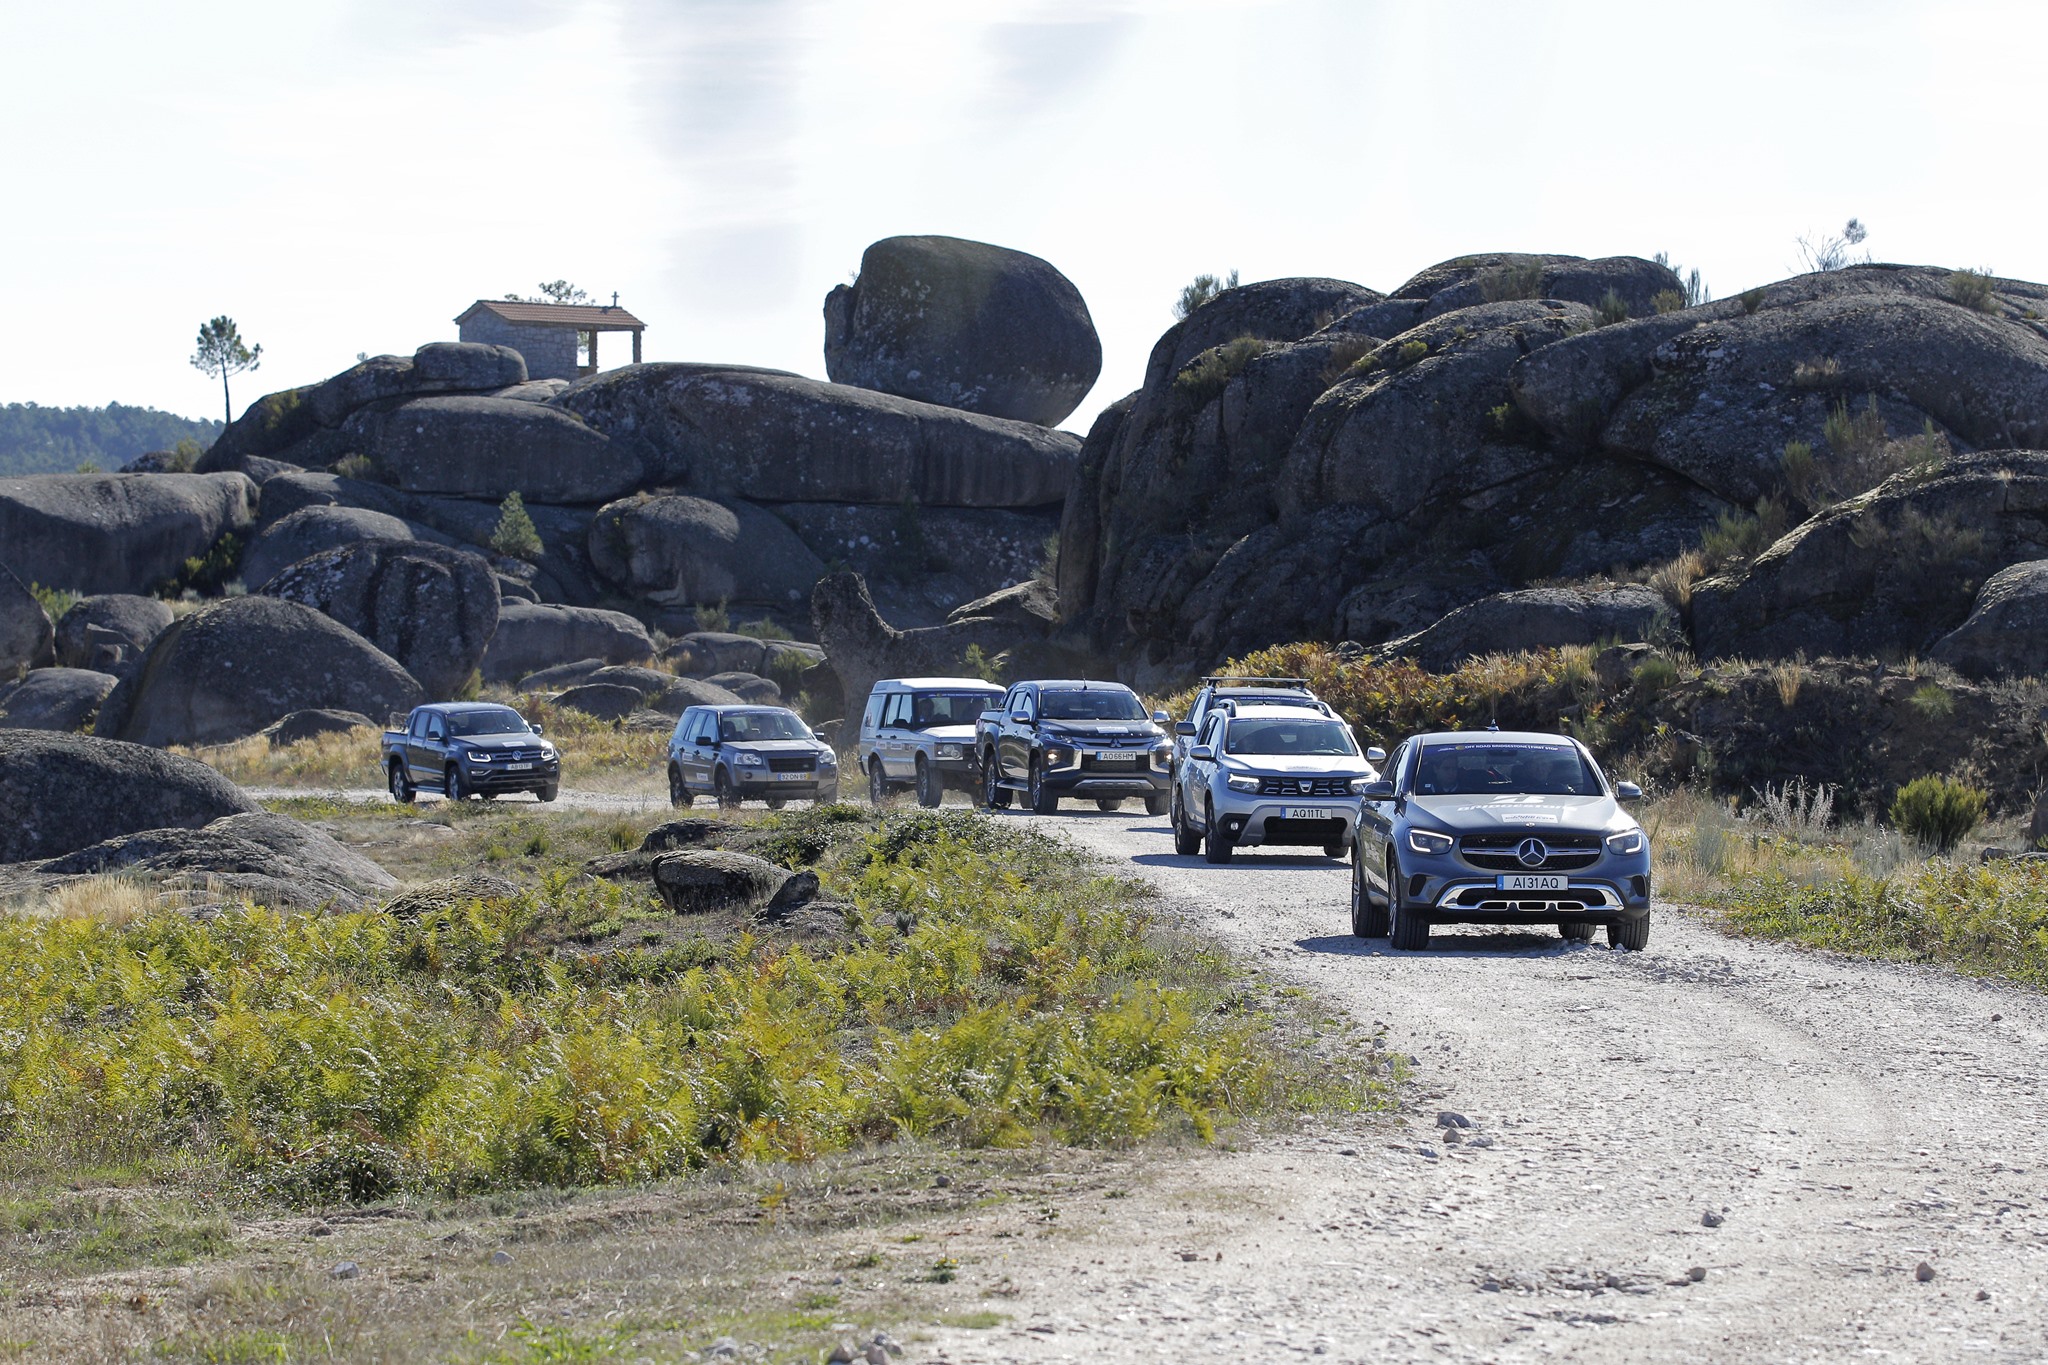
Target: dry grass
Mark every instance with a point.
(110, 900)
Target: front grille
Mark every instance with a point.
(515, 756)
(792, 763)
(1316, 832)
(1325, 787)
(1502, 852)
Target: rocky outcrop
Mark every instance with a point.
(678, 550)
(1536, 618)
(965, 325)
(268, 859)
(27, 639)
(2006, 633)
(703, 653)
(310, 530)
(601, 701)
(432, 608)
(767, 436)
(921, 562)
(1500, 276)
(300, 726)
(862, 648)
(54, 699)
(475, 447)
(117, 533)
(67, 792)
(109, 633)
(706, 881)
(532, 636)
(1888, 573)
(235, 665)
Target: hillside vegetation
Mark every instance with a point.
(39, 440)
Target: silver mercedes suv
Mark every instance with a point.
(1279, 772)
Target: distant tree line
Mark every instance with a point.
(39, 440)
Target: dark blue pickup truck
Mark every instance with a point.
(469, 748)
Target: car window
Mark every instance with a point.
(1209, 729)
(419, 725)
(929, 709)
(873, 719)
(1092, 704)
(706, 727)
(1478, 768)
(896, 714)
(1393, 772)
(489, 720)
(1282, 735)
(749, 727)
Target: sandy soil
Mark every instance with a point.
(1841, 1124)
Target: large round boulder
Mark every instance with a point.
(682, 550)
(2006, 632)
(66, 792)
(433, 608)
(1497, 277)
(54, 699)
(533, 635)
(126, 533)
(475, 447)
(108, 633)
(767, 436)
(270, 859)
(699, 881)
(235, 665)
(965, 325)
(1535, 618)
(27, 639)
(310, 530)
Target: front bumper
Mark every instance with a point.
(496, 777)
(1264, 820)
(797, 786)
(1086, 773)
(1610, 891)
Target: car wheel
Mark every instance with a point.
(679, 793)
(1216, 844)
(827, 795)
(452, 785)
(878, 785)
(1108, 803)
(1156, 803)
(1407, 927)
(1335, 851)
(1043, 802)
(1186, 842)
(1368, 917)
(1630, 935)
(1576, 931)
(550, 791)
(931, 788)
(488, 796)
(994, 794)
(722, 788)
(777, 802)
(402, 789)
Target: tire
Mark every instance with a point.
(550, 791)
(679, 793)
(1368, 920)
(1043, 802)
(402, 789)
(452, 785)
(1336, 851)
(1186, 842)
(1577, 931)
(878, 785)
(1157, 802)
(1215, 843)
(993, 795)
(1407, 928)
(1108, 803)
(1631, 936)
(827, 796)
(931, 788)
(777, 802)
(722, 788)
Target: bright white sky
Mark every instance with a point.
(347, 175)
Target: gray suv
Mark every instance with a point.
(733, 753)
(1270, 771)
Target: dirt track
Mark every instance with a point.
(1847, 1121)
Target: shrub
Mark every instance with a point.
(1832, 253)
(1973, 289)
(207, 574)
(1412, 351)
(1674, 581)
(712, 618)
(360, 467)
(979, 663)
(1753, 299)
(1819, 373)
(1737, 536)
(1933, 701)
(1344, 359)
(1200, 290)
(1938, 811)
(1668, 301)
(1612, 309)
(1796, 809)
(762, 628)
(1655, 674)
(1788, 676)
(515, 535)
(1209, 373)
(1520, 277)
(56, 601)
(1692, 282)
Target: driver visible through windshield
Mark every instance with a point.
(492, 720)
(1090, 705)
(949, 708)
(1304, 737)
(1519, 769)
(745, 727)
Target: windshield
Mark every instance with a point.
(1303, 736)
(744, 727)
(1485, 769)
(492, 720)
(1091, 705)
(949, 708)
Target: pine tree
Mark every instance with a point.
(516, 535)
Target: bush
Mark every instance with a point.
(1201, 290)
(1821, 372)
(1668, 301)
(358, 466)
(1938, 811)
(56, 601)
(1739, 536)
(1208, 373)
(1412, 351)
(1655, 674)
(1518, 278)
(1612, 309)
(1753, 299)
(1973, 289)
(515, 535)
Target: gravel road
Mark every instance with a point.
(1839, 1123)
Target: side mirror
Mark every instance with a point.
(1160, 718)
(1186, 727)
(1021, 717)
(1204, 752)
(1627, 791)
(1377, 791)
(537, 729)
(1375, 755)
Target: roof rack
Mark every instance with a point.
(1248, 678)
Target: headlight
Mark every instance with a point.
(950, 751)
(1240, 783)
(1428, 841)
(1056, 757)
(1359, 784)
(477, 756)
(828, 759)
(1628, 841)
(747, 760)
